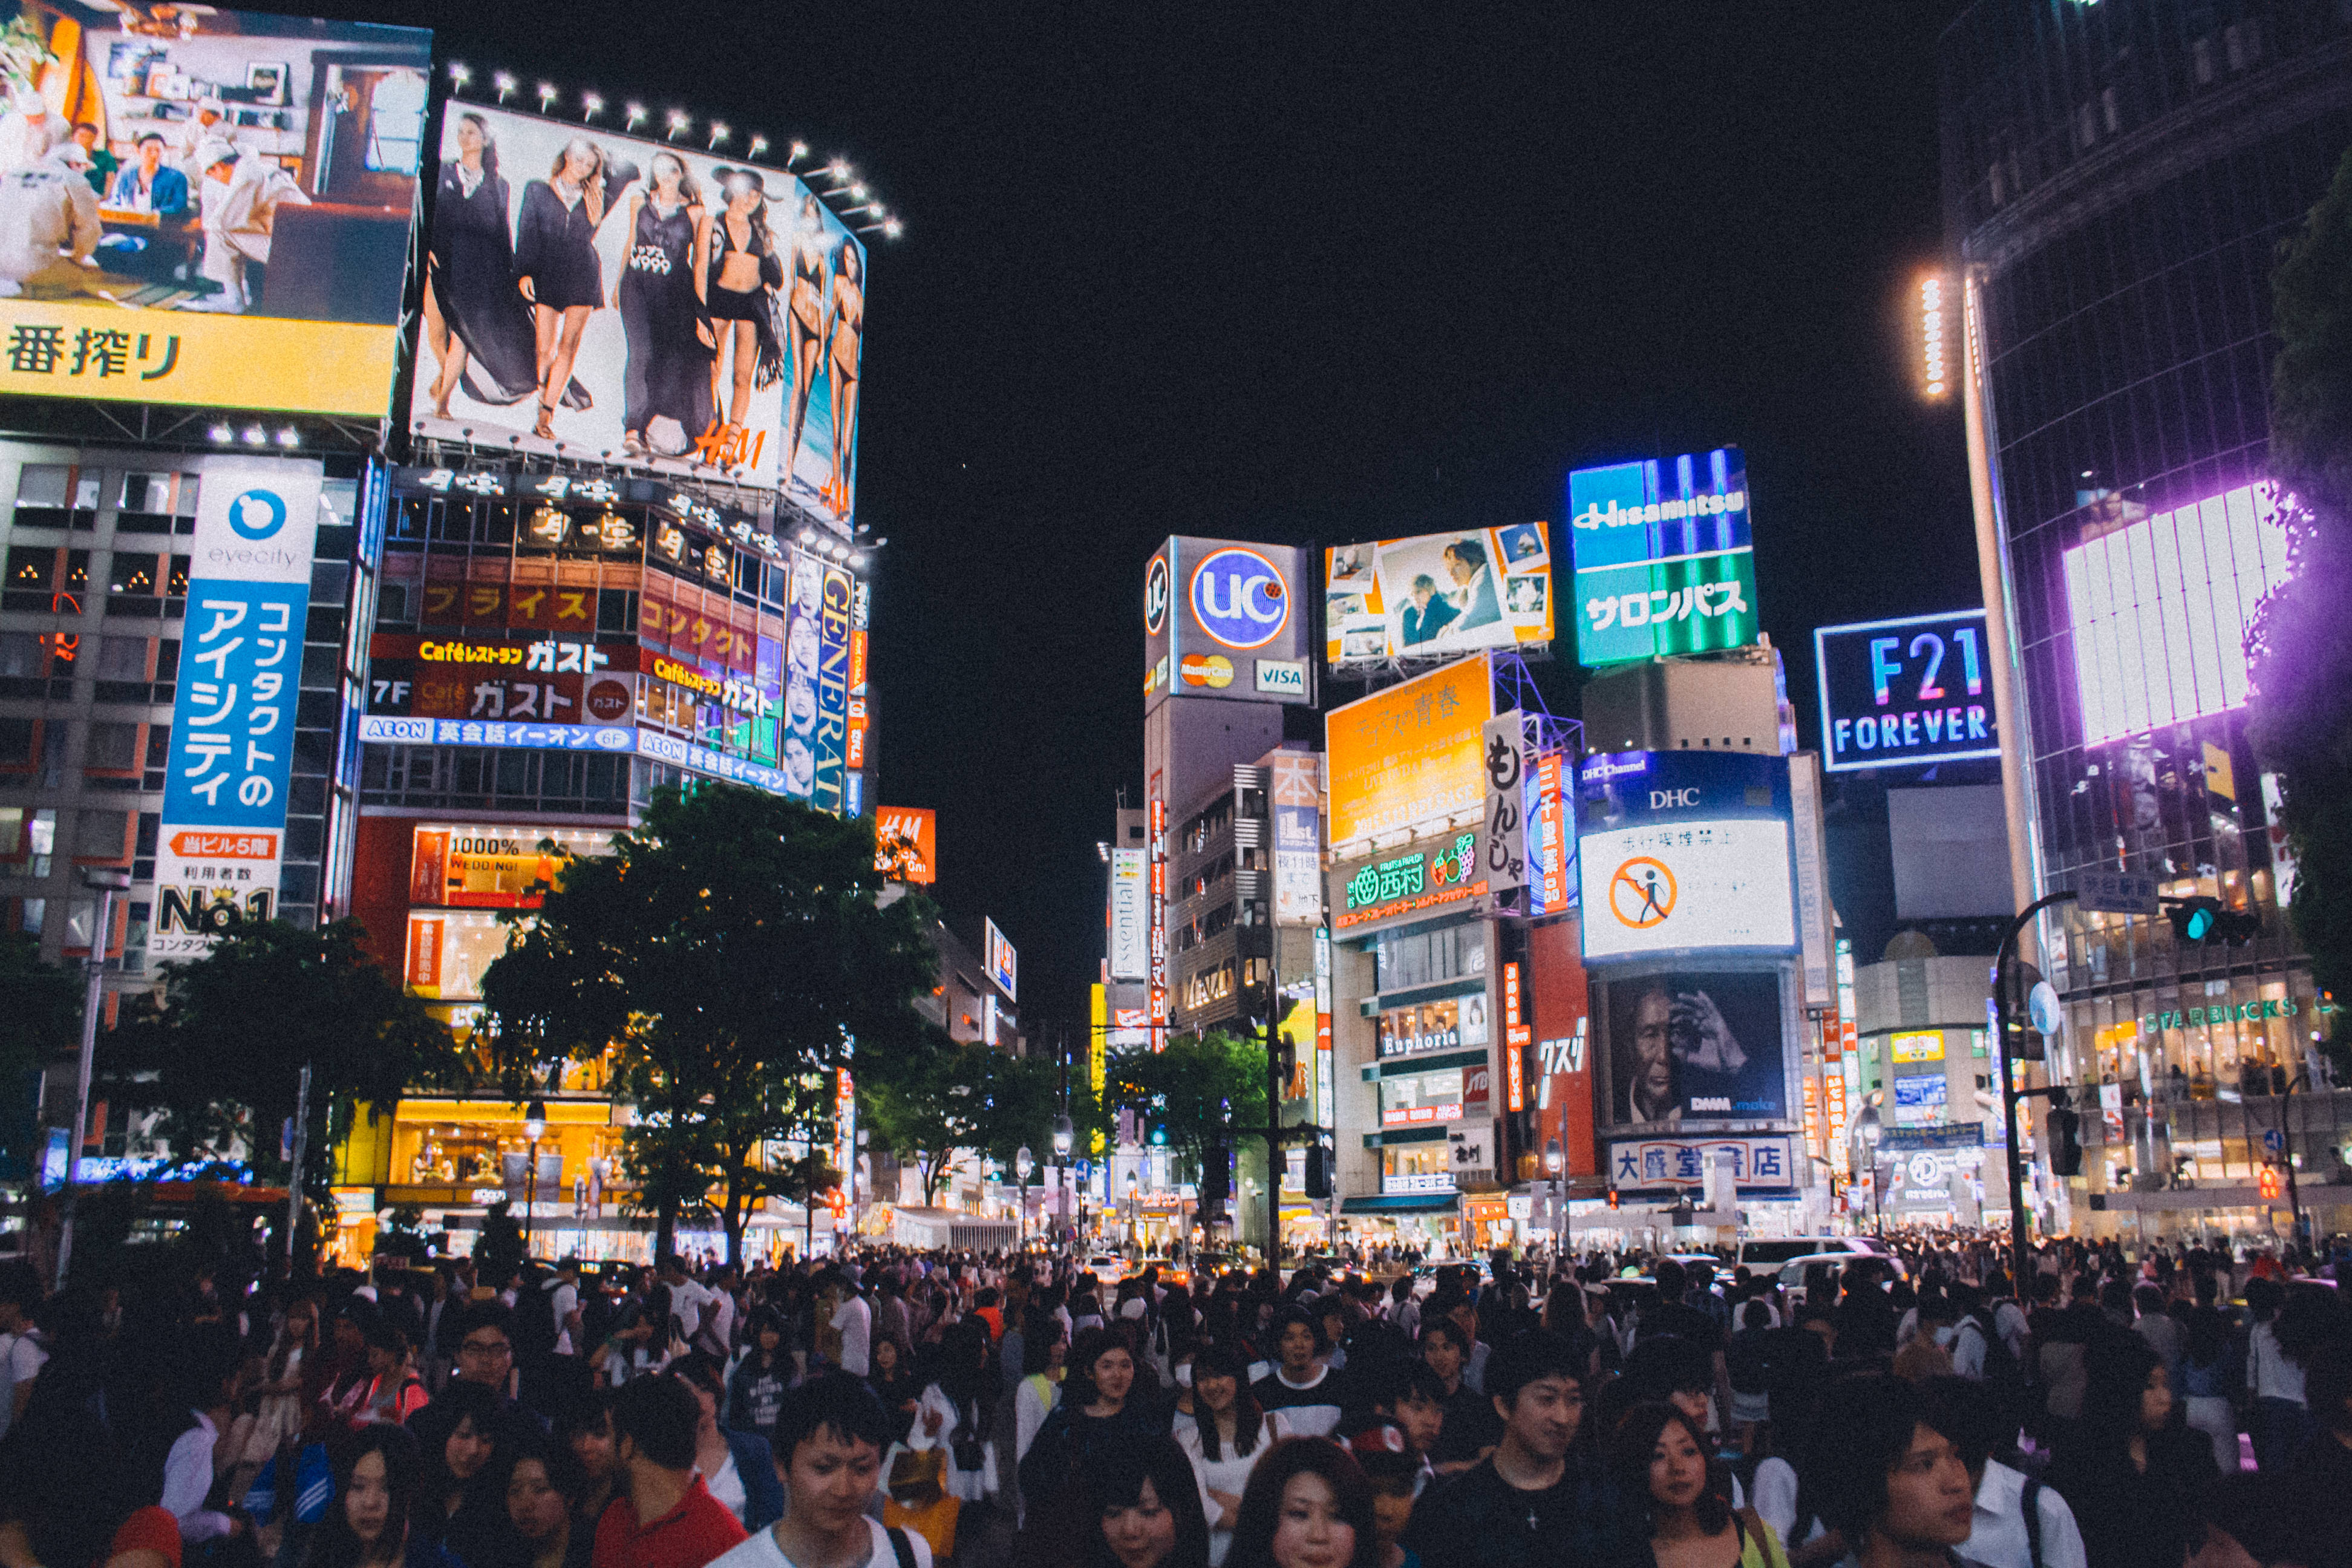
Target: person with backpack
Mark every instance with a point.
(2019, 1523)
(830, 1436)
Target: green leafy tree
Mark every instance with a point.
(1206, 1090)
(732, 954)
(2301, 647)
(941, 1099)
(42, 1003)
(221, 1048)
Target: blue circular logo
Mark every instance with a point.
(257, 514)
(1239, 598)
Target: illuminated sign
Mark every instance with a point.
(259, 263)
(1755, 1163)
(999, 960)
(1936, 317)
(1552, 848)
(1442, 1026)
(1682, 851)
(1155, 595)
(1411, 884)
(1297, 805)
(1927, 1046)
(2159, 609)
(1437, 596)
(1130, 941)
(1416, 1100)
(1516, 1038)
(1906, 691)
(1664, 559)
(469, 868)
(232, 735)
(1239, 598)
(1410, 756)
(905, 844)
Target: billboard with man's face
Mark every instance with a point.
(206, 207)
(1438, 594)
(640, 302)
(1694, 1044)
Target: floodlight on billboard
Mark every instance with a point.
(1438, 594)
(997, 957)
(906, 844)
(2160, 607)
(1410, 756)
(1895, 693)
(1664, 561)
(237, 235)
(1682, 852)
(605, 230)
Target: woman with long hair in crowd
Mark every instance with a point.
(1308, 1505)
(585, 1433)
(395, 1391)
(460, 1501)
(1675, 1515)
(957, 1414)
(543, 1486)
(895, 1385)
(2210, 1374)
(1044, 1353)
(380, 1515)
(1228, 1435)
(1099, 1413)
(2130, 1467)
(1140, 1510)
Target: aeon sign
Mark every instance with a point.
(1239, 598)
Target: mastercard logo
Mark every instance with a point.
(1208, 669)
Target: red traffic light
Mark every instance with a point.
(2269, 1183)
(1613, 1197)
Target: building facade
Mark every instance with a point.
(2117, 180)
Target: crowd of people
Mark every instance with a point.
(2189, 1410)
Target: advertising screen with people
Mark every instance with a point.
(212, 209)
(597, 294)
(1438, 594)
(1695, 1046)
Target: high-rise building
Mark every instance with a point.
(2118, 179)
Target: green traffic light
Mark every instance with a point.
(2200, 924)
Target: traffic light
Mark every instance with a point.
(2209, 919)
(1318, 1171)
(1283, 1054)
(2064, 1126)
(2271, 1187)
(1613, 1197)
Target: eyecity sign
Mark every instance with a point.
(1902, 692)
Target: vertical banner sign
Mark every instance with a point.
(1516, 1038)
(804, 659)
(845, 1132)
(1326, 1091)
(1298, 838)
(830, 790)
(1131, 943)
(1551, 847)
(1156, 832)
(1812, 1115)
(1814, 931)
(1840, 1046)
(860, 720)
(1503, 842)
(223, 828)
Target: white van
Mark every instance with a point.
(1764, 1254)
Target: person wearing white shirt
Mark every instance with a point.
(1968, 1414)
(854, 1321)
(830, 1437)
(1241, 1434)
(21, 1355)
(188, 1468)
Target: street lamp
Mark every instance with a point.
(1134, 1211)
(534, 1127)
(1064, 1136)
(1555, 1163)
(1021, 1165)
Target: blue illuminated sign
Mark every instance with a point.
(1239, 598)
(1664, 557)
(1905, 693)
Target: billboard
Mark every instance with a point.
(1437, 594)
(1561, 1018)
(465, 866)
(1690, 1044)
(1411, 754)
(235, 234)
(1663, 560)
(1681, 851)
(1298, 802)
(1758, 1164)
(999, 960)
(222, 838)
(1226, 620)
(1897, 693)
(906, 844)
(703, 316)
(1131, 916)
(2161, 608)
(1551, 842)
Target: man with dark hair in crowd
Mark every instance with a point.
(1528, 1502)
(831, 1433)
(1308, 1392)
(663, 1515)
(1892, 1486)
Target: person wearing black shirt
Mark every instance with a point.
(1472, 1428)
(1532, 1502)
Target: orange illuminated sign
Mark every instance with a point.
(1409, 756)
(906, 844)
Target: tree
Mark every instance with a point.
(1203, 1089)
(732, 954)
(2301, 649)
(42, 1003)
(942, 1099)
(221, 1054)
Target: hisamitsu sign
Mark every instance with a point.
(1905, 692)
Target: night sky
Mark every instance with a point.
(1340, 273)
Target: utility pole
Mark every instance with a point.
(2020, 1251)
(107, 882)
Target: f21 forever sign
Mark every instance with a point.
(1903, 692)
(223, 835)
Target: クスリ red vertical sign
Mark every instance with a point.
(1561, 1025)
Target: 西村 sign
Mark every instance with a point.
(1411, 883)
(1897, 693)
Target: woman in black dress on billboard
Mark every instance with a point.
(555, 260)
(663, 315)
(472, 312)
(744, 273)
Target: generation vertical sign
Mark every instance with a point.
(223, 835)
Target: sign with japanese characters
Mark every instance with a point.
(1664, 561)
(232, 747)
(1758, 1164)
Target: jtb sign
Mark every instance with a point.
(232, 747)
(1899, 693)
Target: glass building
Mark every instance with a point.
(2119, 175)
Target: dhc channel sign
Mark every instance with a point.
(1239, 598)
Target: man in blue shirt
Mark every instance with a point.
(148, 185)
